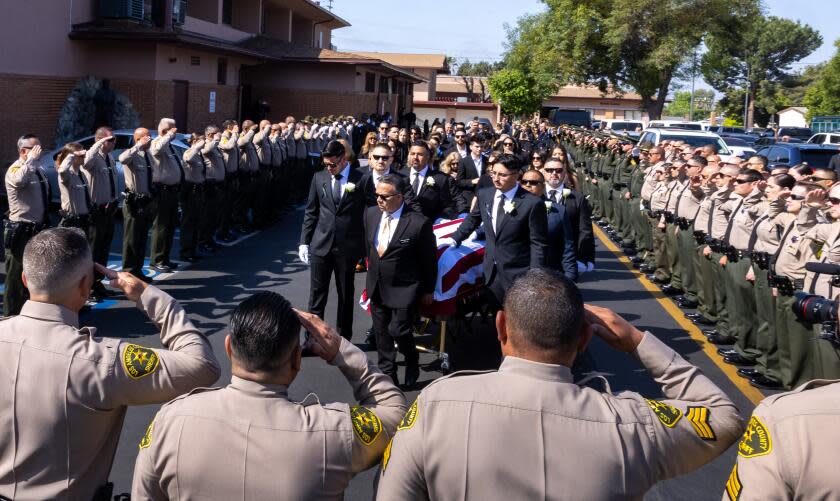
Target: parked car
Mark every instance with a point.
(790, 154)
(738, 147)
(676, 124)
(696, 138)
(125, 140)
(825, 138)
(766, 141)
(801, 133)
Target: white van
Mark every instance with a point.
(675, 124)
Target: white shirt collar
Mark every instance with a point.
(377, 176)
(421, 173)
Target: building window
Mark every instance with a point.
(321, 40)
(227, 11)
(195, 61)
(632, 114)
(370, 82)
(221, 72)
(383, 84)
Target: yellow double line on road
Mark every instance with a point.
(710, 349)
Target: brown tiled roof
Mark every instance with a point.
(455, 84)
(435, 61)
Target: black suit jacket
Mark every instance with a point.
(562, 255)
(326, 226)
(408, 268)
(521, 241)
(580, 215)
(438, 199)
(467, 171)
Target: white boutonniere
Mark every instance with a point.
(548, 205)
(349, 188)
(509, 206)
(566, 192)
(430, 181)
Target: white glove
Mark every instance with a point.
(303, 253)
(449, 242)
(590, 266)
(581, 267)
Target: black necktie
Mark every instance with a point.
(112, 184)
(416, 184)
(500, 211)
(178, 161)
(148, 171)
(45, 190)
(336, 189)
(553, 196)
(88, 203)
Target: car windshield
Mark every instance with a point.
(817, 158)
(800, 132)
(624, 126)
(687, 126)
(734, 141)
(699, 141)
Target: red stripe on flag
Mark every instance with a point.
(451, 277)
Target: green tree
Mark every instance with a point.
(515, 91)
(757, 56)
(471, 75)
(617, 44)
(823, 97)
(680, 106)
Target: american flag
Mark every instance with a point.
(459, 271)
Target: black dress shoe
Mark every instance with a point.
(646, 268)
(718, 339)
(748, 372)
(736, 359)
(172, 265)
(711, 332)
(693, 316)
(636, 259)
(671, 290)
(726, 351)
(628, 251)
(161, 268)
(762, 381)
(687, 304)
(703, 321)
(656, 280)
(412, 373)
(370, 339)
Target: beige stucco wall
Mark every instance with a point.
(214, 30)
(314, 77)
(182, 69)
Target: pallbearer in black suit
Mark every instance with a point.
(402, 271)
(433, 191)
(332, 237)
(515, 224)
(381, 164)
(561, 241)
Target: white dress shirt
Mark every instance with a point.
(414, 174)
(395, 218)
(507, 195)
(345, 173)
(479, 166)
(377, 176)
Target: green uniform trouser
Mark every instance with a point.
(795, 340)
(661, 252)
(262, 205)
(606, 192)
(230, 191)
(826, 357)
(767, 362)
(100, 236)
(135, 234)
(209, 213)
(672, 248)
(741, 297)
(705, 274)
(688, 261)
(14, 294)
(720, 278)
(192, 200)
(163, 228)
(644, 235)
(247, 189)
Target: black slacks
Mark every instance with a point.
(389, 325)
(321, 268)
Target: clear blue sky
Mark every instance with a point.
(474, 29)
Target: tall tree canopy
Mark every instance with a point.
(619, 44)
(823, 98)
(756, 57)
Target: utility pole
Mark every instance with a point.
(693, 74)
(747, 98)
(329, 5)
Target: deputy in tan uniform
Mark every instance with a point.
(167, 176)
(789, 450)
(687, 208)
(527, 431)
(192, 196)
(248, 440)
(75, 197)
(214, 184)
(230, 152)
(66, 389)
(706, 312)
(29, 194)
(102, 184)
(260, 207)
(139, 206)
(249, 168)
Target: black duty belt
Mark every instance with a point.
(761, 259)
(169, 188)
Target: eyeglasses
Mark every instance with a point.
(331, 164)
(554, 171)
(537, 158)
(531, 182)
(381, 157)
(500, 174)
(508, 144)
(371, 139)
(460, 136)
(833, 200)
(742, 181)
(798, 198)
(380, 196)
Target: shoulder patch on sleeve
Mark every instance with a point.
(699, 419)
(410, 417)
(667, 414)
(756, 440)
(733, 484)
(139, 361)
(146, 441)
(366, 424)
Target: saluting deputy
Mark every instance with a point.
(67, 389)
(248, 440)
(75, 197)
(167, 176)
(102, 183)
(556, 437)
(138, 209)
(29, 197)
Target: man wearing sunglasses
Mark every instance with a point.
(460, 144)
(102, 184)
(402, 272)
(577, 208)
(561, 241)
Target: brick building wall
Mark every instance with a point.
(300, 103)
(198, 114)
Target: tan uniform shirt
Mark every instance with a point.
(660, 195)
(528, 432)
(720, 211)
(248, 160)
(214, 162)
(768, 228)
(248, 441)
(675, 188)
(277, 153)
(101, 176)
(75, 198)
(688, 204)
(300, 145)
(263, 146)
(789, 450)
(28, 191)
(744, 218)
(701, 222)
(65, 391)
(166, 161)
(230, 151)
(137, 169)
(795, 249)
(827, 235)
(193, 166)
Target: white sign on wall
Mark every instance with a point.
(212, 101)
